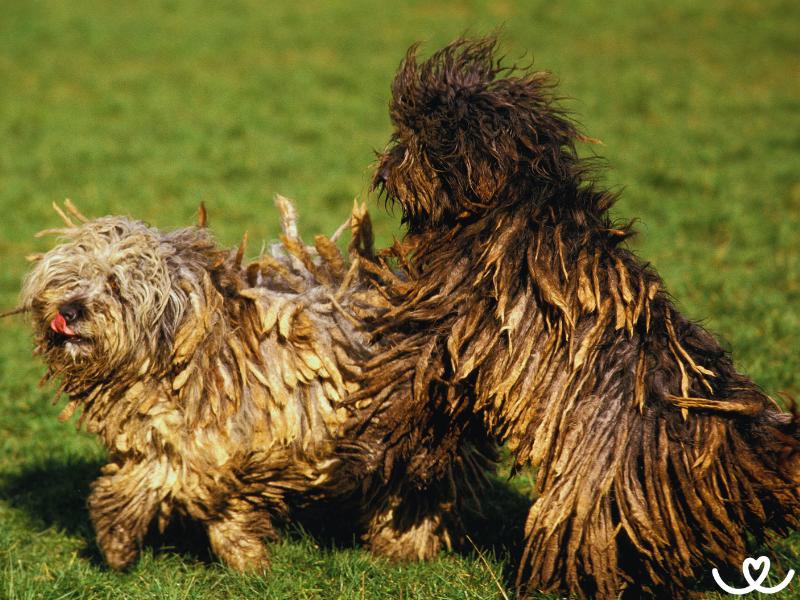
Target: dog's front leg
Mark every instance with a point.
(238, 538)
(122, 504)
(245, 503)
(237, 534)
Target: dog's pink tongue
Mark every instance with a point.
(59, 325)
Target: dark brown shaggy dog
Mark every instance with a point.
(523, 318)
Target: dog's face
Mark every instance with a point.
(467, 131)
(103, 301)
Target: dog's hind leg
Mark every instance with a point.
(415, 521)
(414, 524)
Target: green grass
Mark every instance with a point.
(147, 111)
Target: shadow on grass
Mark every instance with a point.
(498, 528)
(495, 530)
(54, 494)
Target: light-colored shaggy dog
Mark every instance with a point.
(216, 388)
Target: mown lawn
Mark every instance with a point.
(149, 110)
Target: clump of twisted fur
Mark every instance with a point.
(521, 318)
(216, 388)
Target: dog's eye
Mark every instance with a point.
(113, 284)
(38, 306)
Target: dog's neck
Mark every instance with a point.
(517, 243)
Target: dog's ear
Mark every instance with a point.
(478, 125)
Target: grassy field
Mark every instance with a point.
(147, 111)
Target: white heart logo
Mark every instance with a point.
(748, 565)
(754, 563)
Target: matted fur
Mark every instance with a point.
(218, 389)
(521, 316)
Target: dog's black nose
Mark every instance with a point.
(70, 311)
(381, 177)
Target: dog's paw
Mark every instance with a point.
(118, 547)
(238, 548)
(417, 541)
(248, 560)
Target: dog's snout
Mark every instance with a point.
(392, 158)
(70, 311)
(381, 177)
(383, 174)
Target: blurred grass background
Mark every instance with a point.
(147, 109)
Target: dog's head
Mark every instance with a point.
(108, 300)
(470, 134)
